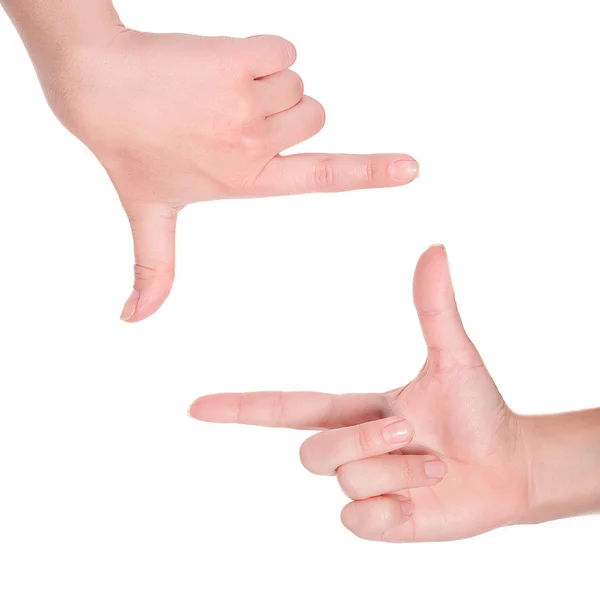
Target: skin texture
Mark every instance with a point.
(176, 119)
(444, 457)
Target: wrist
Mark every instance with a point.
(54, 32)
(563, 458)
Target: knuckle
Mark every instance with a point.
(148, 273)
(362, 519)
(324, 174)
(347, 516)
(287, 49)
(319, 115)
(307, 456)
(368, 440)
(144, 273)
(408, 472)
(297, 84)
(385, 513)
(242, 112)
(347, 480)
(278, 409)
(368, 172)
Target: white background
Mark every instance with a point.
(108, 490)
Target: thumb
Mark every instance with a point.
(307, 173)
(447, 342)
(153, 229)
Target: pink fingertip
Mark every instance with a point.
(435, 469)
(398, 432)
(130, 306)
(404, 170)
(406, 506)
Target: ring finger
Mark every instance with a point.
(279, 92)
(388, 474)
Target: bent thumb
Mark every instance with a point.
(153, 228)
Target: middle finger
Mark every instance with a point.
(390, 473)
(324, 452)
(279, 92)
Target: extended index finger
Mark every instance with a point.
(309, 173)
(294, 410)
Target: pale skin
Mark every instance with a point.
(176, 119)
(444, 457)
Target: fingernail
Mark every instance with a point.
(435, 469)
(130, 306)
(440, 246)
(406, 506)
(405, 170)
(399, 432)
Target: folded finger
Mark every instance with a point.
(387, 474)
(279, 92)
(295, 125)
(371, 519)
(267, 54)
(324, 453)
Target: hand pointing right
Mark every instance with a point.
(176, 119)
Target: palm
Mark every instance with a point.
(460, 416)
(457, 414)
